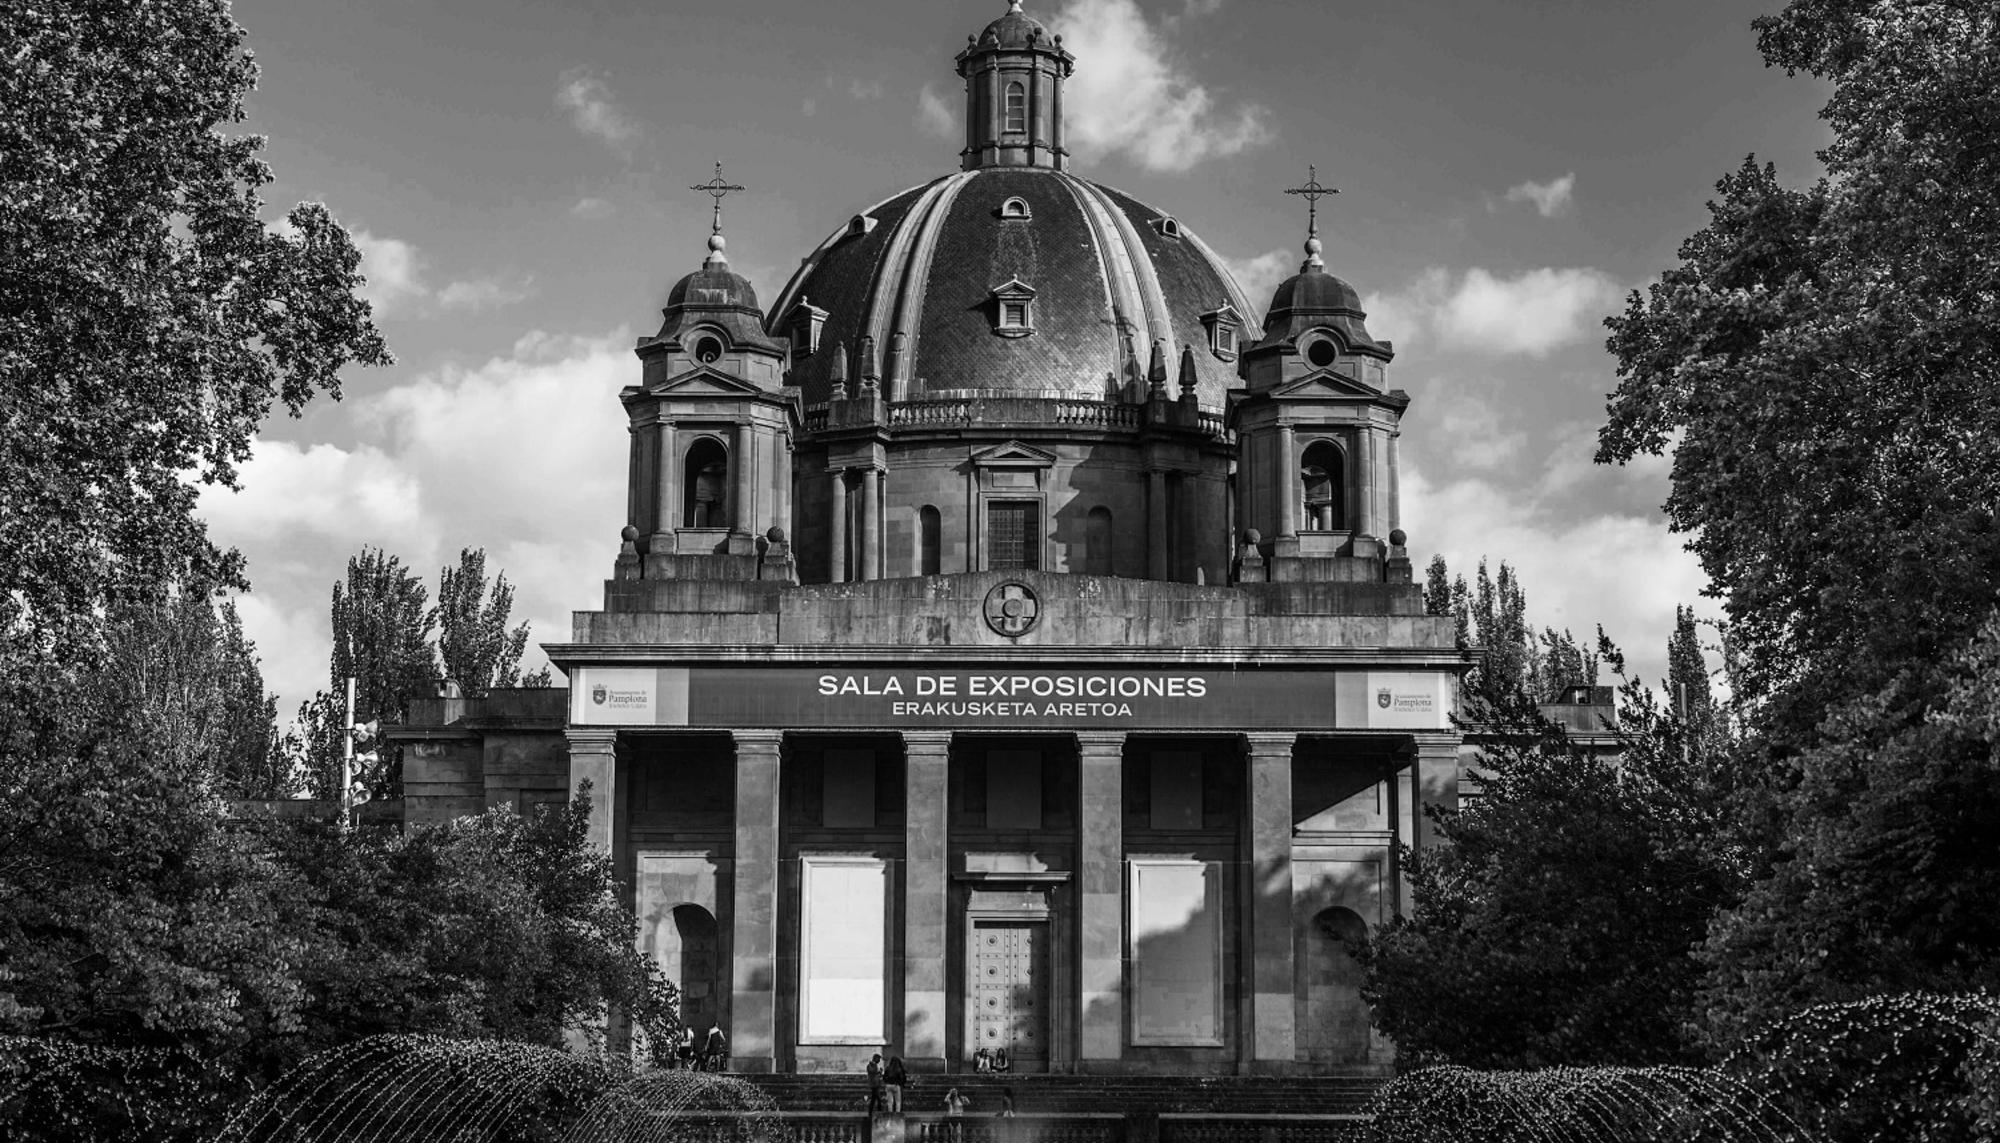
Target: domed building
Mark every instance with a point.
(1012, 653)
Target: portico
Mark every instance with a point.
(1090, 865)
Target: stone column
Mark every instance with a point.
(1100, 897)
(926, 774)
(1395, 483)
(1288, 484)
(632, 477)
(871, 523)
(743, 513)
(1365, 521)
(1055, 116)
(754, 904)
(665, 502)
(1437, 782)
(593, 758)
(836, 527)
(1156, 525)
(1272, 1036)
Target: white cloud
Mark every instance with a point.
(588, 207)
(934, 115)
(1260, 275)
(1532, 313)
(810, 107)
(1550, 198)
(483, 294)
(865, 89)
(523, 455)
(594, 110)
(392, 269)
(1134, 96)
(1625, 571)
(396, 281)
(1203, 7)
(1478, 431)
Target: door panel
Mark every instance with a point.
(1010, 991)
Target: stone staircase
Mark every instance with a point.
(1056, 1095)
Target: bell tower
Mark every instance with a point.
(1316, 427)
(1014, 74)
(711, 430)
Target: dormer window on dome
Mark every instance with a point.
(1016, 208)
(1222, 325)
(860, 224)
(1167, 226)
(1013, 308)
(803, 327)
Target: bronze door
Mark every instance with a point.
(1010, 991)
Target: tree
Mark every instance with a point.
(475, 647)
(381, 638)
(1824, 364)
(139, 289)
(1556, 924)
(1824, 361)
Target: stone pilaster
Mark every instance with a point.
(836, 526)
(1436, 782)
(593, 758)
(1157, 557)
(1268, 841)
(926, 945)
(666, 499)
(1100, 897)
(871, 524)
(754, 907)
(1287, 484)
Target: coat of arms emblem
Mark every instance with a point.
(598, 694)
(1382, 698)
(1012, 609)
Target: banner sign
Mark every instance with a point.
(1007, 698)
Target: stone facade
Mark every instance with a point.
(1012, 644)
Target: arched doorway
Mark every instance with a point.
(705, 485)
(686, 950)
(1323, 492)
(1336, 1026)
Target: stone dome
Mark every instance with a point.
(714, 285)
(1105, 277)
(1016, 29)
(1313, 298)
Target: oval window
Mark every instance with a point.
(1321, 353)
(707, 351)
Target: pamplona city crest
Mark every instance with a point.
(1012, 609)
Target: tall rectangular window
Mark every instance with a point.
(844, 948)
(1017, 108)
(1175, 918)
(1013, 535)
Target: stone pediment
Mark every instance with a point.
(1014, 453)
(705, 382)
(1326, 384)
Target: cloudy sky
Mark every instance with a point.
(515, 173)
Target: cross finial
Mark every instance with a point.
(1313, 192)
(716, 188)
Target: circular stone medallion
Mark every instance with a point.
(1012, 609)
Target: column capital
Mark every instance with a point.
(591, 739)
(1100, 741)
(926, 741)
(759, 740)
(1258, 742)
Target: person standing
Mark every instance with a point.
(715, 1050)
(874, 1083)
(954, 1107)
(895, 1077)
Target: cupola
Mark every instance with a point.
(1014, 72)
